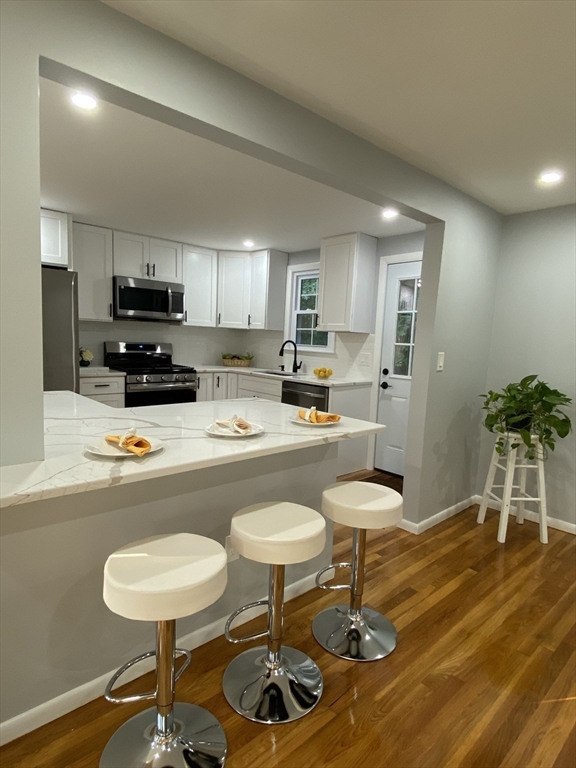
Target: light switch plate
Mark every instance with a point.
(440, 363)
(365, 358)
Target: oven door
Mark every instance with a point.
(148, 299)
(138, 395)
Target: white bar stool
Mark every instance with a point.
(515, 459)
(162, 579)
(353, 631)
(274, 683)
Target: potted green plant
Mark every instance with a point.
(86, 357)
(529, 408)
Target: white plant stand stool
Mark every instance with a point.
(515, 460)
(162, 579)
(273, 683)
(353, 631)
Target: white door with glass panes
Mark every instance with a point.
(400, 321)
(304, 319)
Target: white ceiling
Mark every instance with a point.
(115, 168)
(477, 92)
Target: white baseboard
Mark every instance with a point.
(430, 522)
(93, 689)
(553, 522)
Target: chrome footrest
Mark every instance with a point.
(329, 568)
(140, 696)
(237, 613)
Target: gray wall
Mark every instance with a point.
(164, 79)
(534, 330)
(409, 243)
(304, 257)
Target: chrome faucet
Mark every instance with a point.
(295, 366)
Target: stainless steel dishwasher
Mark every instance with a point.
(304, 395)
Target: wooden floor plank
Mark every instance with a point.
(482, 676)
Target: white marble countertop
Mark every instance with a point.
(73, 421)
(306, 378)
(93, 371)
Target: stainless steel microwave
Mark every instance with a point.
(148, 299)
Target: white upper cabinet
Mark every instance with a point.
(267, 290)
(348, 277)
(165, 261)
(147, 257)
(54, 238)
(92, 259)
(131, 255)
(233, 289)
(200, 276)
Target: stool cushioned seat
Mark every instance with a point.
(278, 533)
(362, 505)
(165, 577)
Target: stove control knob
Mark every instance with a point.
(189, 377)
(163, 378)
(178, 377)
(148, 378)
(139, 378)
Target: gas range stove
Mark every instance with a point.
(151, 376)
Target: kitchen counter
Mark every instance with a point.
(306, 378)
(72, 421)
(92, 371)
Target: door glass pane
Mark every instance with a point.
(406, 295)
(401, 359)
(304, 321)
(404, 328)
(303, 337)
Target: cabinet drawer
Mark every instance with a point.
(258, 385)
(102, 385)
(114, 401)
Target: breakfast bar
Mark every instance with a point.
(62, 517)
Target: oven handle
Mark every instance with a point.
(169, 292)
(158, 388)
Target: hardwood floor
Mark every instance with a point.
(483, 675)
(376, 476)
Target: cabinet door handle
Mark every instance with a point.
(101, 385)
(153, 270)
(218, 382)
(249, 320)
(186, 316)
(110, 310)
(219, 315)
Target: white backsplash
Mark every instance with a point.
(197, 346)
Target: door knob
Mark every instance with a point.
(385, 385)
(385, 371)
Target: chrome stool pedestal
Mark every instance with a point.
(169, 735)
(353, 631)
(273, 683)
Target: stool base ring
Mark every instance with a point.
(198, 740)
(368, 638)
(268, 695)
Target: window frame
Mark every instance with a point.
(296, 273)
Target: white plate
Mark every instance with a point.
(304, 423)
(215, 431)
(110, 451)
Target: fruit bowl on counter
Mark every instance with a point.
(238, 361)
(323, 373)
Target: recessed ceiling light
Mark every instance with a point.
(248, 243)
(389, 213)
(551, 177)
(84, 100)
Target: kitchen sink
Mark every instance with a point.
(279, 373)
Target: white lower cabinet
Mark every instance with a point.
(104, 389)
(254, 386)
(232, 386)
(205, 391)
(220, 386)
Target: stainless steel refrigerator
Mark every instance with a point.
(60, 329)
